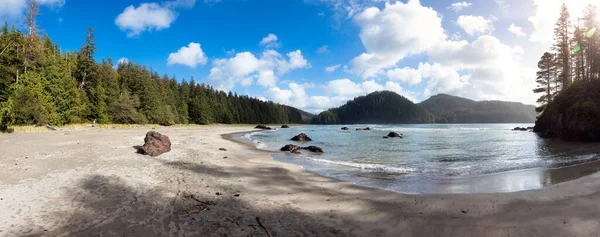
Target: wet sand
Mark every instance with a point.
(90, 182)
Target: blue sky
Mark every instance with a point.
(482, 50)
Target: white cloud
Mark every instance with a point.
(323, 49)
(267, 78)
(270, 41)
(475, 24)
(337, 92)
(122, 61)
(244, 67)
(14, 9)
(458, 6)
(332, 68)
(516, 30)
(190, 55)
(406, 75)
(146, 17)
(387, 43)
(546, 15)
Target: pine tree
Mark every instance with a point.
(562, 46)
(592, 43)
(545, 77)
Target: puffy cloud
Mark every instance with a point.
(546, 14)
(180, 3)
(386, 43)
(516, 30)
(406, 75)
(337, 93)
(458, 6)
(190, 55)
(332, 68)
(14, 9)
(244, 67)
(475, 24)
(486, 51)
(270, 41)
(146, 17)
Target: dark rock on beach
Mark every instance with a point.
(301, 138)
(285, 126)
(363, 129)
(345, 128)
(155, 144)
(394, 134)
(262, 126)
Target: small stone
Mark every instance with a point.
(222, 149)
(218, 193)
(225, 157)
(237, 195)
(328, 200)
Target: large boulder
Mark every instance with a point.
(155, 144)
(262, 126)
(285, 126)
(301, 138)
(394, 134)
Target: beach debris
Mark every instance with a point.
(364, 129)
(262, 126)
(155, 144)
(262, 226)
(465, 212)
(222, 149)
(345, 128)
(295, 149)
(285, 126)
(50, 127)
(395, 134)
(301, 138)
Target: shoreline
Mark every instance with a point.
(528, 179)
(91, 182)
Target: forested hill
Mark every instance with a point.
(389, 107)
(39, 84)
(377, 107)
(453, 109)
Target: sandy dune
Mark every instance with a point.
(90, 182)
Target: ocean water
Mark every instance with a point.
(432, 158)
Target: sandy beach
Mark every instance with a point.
(90, 182)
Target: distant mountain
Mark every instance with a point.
(454, 109)
(306, 116)
(389, 107)
(377, 107)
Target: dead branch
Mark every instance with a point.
(264, 228)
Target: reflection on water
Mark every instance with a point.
(434, 158)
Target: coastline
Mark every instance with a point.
(499, 182)
(90, 182)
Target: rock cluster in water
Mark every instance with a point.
(155, 144)
(296, 149)
(522, 129)
(285, 126)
